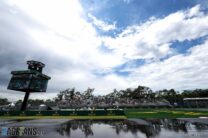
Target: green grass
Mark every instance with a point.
(129, 113)
(163, 113)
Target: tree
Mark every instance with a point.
(60, 96)
(88, 92)
(4, 101)
(141, 92)
(35, 102)
(69, 94)
(170, 95)
(19, 102)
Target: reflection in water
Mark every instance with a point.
(133, 128)
(84, 126)
(174, 124)
(152, 129)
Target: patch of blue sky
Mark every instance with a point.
(99, 73)
(117, 72)
(136, 11)
(122, 73)
(131, 64)
(182, 47)
(112, 33)
(105, 49)
(121, 70)
(166, 57)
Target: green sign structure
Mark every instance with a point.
(31, 80)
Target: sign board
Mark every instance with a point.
(29, 81)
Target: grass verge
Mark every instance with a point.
(163, 113)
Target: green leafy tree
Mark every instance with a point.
(4, 101)
(88, 92)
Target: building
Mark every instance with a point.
(196, 102)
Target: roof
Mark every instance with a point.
(30, 72)
(198, 98)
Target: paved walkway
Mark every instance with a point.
(140, 122)
(35, 122)
(195, 120)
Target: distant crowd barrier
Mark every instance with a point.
(64, 113)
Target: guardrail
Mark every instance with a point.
(64, 113)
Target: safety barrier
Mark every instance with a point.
(64, 113)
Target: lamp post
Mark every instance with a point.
(31, 80)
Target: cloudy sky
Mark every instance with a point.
(106, 44)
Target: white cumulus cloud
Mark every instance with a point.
(58, 34)
(101, 24)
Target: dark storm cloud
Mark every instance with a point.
(12, 38)
(17, 46)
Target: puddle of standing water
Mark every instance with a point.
(133, 128)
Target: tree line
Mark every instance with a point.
(141, 93)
